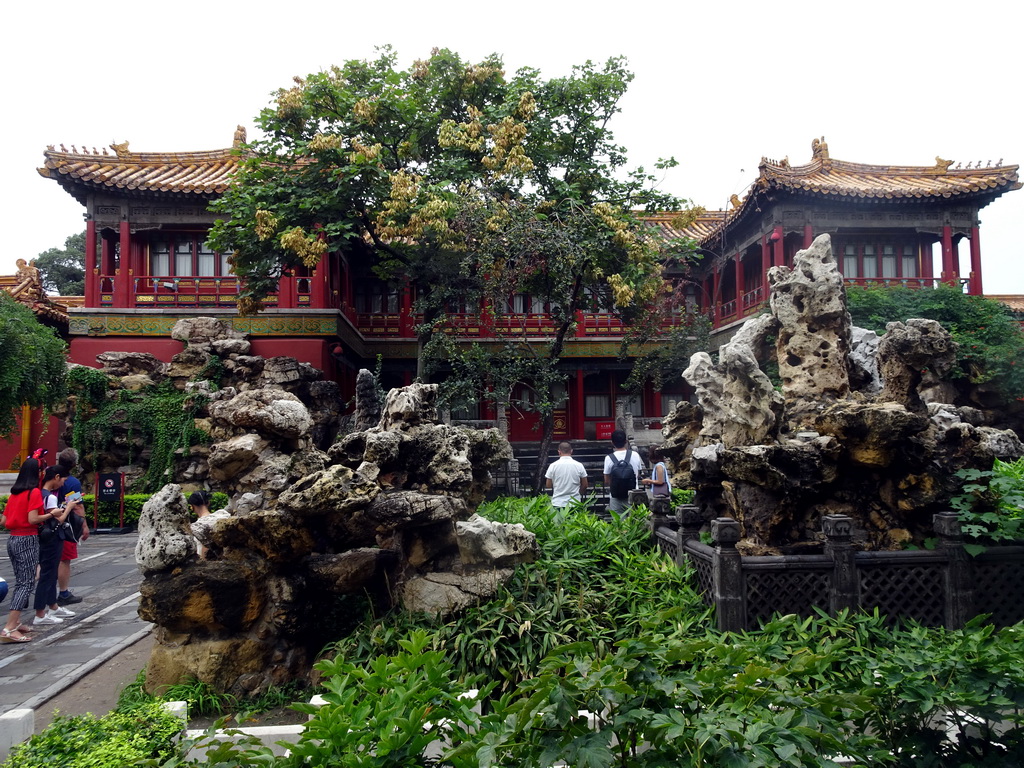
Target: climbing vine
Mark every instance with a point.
(160, 418)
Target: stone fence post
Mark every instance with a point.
(637, 498)
(727, 573)
(959, 589)
(844, 591)
(689, 520)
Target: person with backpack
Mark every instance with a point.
(621, 468)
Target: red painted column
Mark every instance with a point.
(740, 290)
(716, 298)
(766, 264)
(286, 291)
(924, 258)
(318, 287)
(578, 418)
(808, 235)
(123, 276)
(975, 288)
(948, 268)
(778, 254)
(92, 296)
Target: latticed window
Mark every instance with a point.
(375, 297)
(191, 257)
(879, 259)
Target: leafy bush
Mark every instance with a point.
(991, 504)
(593, 581)
(115, 740)
(990, 338)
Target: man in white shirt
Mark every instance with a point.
(567, 478)
(617, 502)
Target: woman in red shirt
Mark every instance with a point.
(22, 516)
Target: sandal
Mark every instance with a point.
(7, 636)
(25, 629)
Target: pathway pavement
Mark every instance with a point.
(106, 624)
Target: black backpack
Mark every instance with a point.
(622, 478)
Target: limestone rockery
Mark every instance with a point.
(384, 518)
(861, 425)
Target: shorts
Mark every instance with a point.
(70, 551)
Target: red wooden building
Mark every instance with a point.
(147, 265)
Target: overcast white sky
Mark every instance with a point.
(718, 85)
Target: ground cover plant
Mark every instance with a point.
(602, 655)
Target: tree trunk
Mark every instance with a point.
(547, 435)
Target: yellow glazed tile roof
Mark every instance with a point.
(829, 177)
(205, 174)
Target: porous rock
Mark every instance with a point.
(491, 544)
(165, 539)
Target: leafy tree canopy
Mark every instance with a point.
(63, 270)
(32, 369)
(368, 159)
(991, 340)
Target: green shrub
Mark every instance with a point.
(115, 740)
(989, 337)
(991, 503)
(594, 581)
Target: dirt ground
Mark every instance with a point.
(98, 692)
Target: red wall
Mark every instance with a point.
(84, 349)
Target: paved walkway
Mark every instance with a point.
(107, 622)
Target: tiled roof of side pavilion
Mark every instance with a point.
(826, 178)
(203, 174)
(839, 178)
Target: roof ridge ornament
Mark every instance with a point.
(240, 138)
(819, 152)
(121, 150)
(941, 166)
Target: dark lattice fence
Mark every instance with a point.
(944, 587)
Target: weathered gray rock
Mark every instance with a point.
(739, 404)
(368, 405)
(864, 376)
(905, 351)
(231, 346)
(165, 539)
(272, 412)
(131, 363)
(444, 593)
(234, 457)
(203, 330)
(335, 489)
(813, 341)
(494, 545)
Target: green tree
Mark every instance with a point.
(991, 341)
(32, 368)
(466, 182)
(63, 270)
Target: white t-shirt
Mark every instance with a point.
(565, 475)
(634, 461)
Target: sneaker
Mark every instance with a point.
(48, 618)
(61, 612)
(68, 599)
